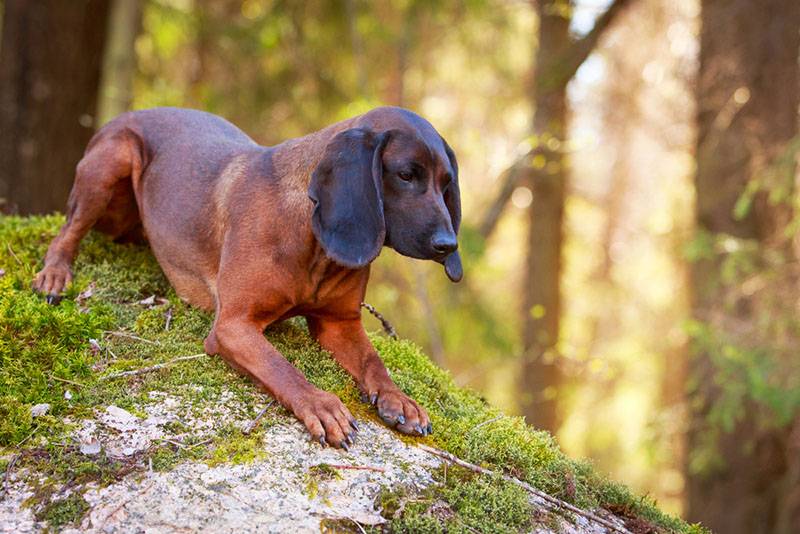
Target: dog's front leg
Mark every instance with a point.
(350, 346)
(242, 343)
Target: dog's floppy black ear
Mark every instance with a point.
(347, 191)
(452, 196)
(452, 199)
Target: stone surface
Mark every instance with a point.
(283, 492)
(292, 486)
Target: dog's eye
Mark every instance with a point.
(406, 176)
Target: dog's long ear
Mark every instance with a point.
(347, 191)
(452, 196)
(452, 199)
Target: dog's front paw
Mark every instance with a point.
(400, 411)
(326, 418)
(51, 282)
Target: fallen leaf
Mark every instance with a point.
(85, 294)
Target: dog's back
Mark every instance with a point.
(137, 163)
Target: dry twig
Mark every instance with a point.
(173, 442)
(357, 467)
(254, 423)
(9, 467)
(492, 420)
(66, 381)
(11, 250)
(360, 528)
(387, 326)
(130, 336)
(168, 318)
(556, 504)
(204, 442)
(136, 372)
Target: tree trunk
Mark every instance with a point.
(541, 307)
(50, 64)
(119, 63)
(748, 95)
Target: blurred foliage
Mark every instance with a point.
(752, 337)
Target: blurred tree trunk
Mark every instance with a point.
(558, 57)
(119, 63)
(541, 306)
(50, 63)
(748, 96)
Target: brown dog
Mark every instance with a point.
(260, 234)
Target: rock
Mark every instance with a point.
(124, 417)
(276, 494)
(39, 410)
(293, 485)
(91, 447)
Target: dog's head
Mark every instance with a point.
(390, 180)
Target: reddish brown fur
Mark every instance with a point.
(230, 224)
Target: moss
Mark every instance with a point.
(165, 459)
(339, 526)
(63, 512)
(317, 474)
(236, 448)
(460, 501)
(46, 350)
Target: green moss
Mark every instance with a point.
(317, 474)
(63, 512)
(45, 351)
(490, 504)
(460, 501)
(237, 449)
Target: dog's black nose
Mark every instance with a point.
(444, 243)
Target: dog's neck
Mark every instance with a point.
(293, 162)
(297, 158)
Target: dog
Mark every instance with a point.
(259, 234)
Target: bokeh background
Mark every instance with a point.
(629, 179)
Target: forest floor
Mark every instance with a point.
(193, 445)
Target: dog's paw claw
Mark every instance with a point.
(399, 411)
(325, 417)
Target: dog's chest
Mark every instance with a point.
(327, 285)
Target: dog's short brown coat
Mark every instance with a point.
(259, 234)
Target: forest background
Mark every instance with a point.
(628, 172)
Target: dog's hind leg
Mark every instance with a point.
(100, 179)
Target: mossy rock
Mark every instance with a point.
(59, 354)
